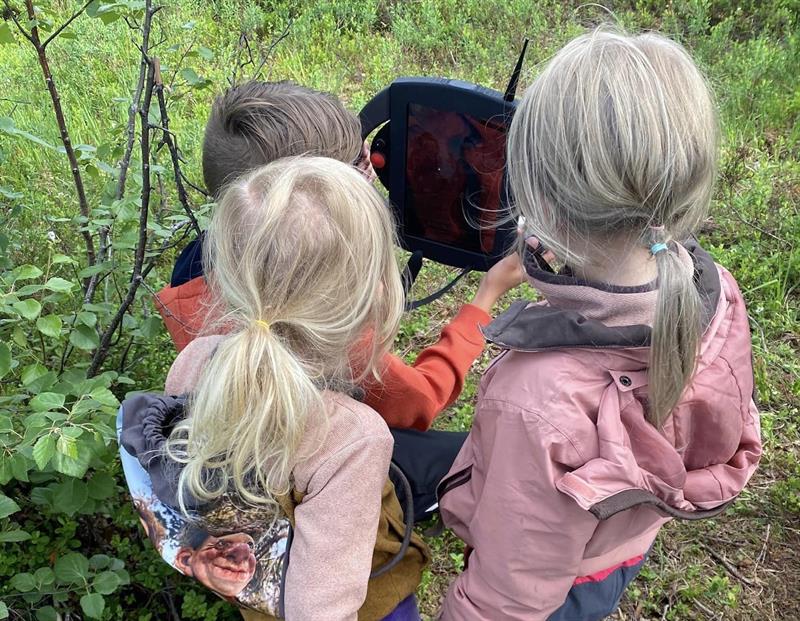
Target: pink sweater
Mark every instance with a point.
(337, 521)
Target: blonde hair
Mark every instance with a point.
(616, 138)
(303, 259)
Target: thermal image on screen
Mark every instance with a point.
(454, 176)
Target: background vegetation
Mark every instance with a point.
(70, 546)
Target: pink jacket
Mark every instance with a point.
(561, 478)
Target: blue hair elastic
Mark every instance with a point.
(656, 248)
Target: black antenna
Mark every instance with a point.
(511, 90)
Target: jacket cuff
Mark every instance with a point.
(468, 321)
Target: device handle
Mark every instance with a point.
(375, 113)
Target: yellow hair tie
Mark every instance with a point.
(263, 324)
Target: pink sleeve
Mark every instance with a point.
(529, 538)
(336, 525)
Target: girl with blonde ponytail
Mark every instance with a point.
(304, 268)
(623, 398)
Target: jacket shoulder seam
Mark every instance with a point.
(541, 417)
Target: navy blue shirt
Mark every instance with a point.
(189, 264)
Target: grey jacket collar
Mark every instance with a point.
(532, 327)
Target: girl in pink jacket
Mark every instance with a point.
(625, 397)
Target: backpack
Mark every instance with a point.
(238, 551)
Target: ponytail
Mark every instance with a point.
(676, 331)
(257, 397)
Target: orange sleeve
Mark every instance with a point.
(413, 395)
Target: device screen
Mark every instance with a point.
(454, 177)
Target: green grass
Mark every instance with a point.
(751, 53)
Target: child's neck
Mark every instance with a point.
(625, 267)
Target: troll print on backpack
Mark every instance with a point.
(237, 552)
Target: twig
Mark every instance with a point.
(194, 187)
(763, 554)
(101, 352)
(170, 603)
(83, 204)
(63, 26)
(727, 565)
(180, 62)
(164, 307)
(13, 15)
(131, 135)
(711, 614)
(137, 95)
(173, 147)
(266, 55)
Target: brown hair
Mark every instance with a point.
(256, 123)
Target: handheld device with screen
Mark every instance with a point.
(440, 152)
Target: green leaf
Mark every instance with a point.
(104, 396)
(32, 372)
(29, 309)
(3, 610)
(44, 576)
(93, 603)
(205, 53)
(151, 327)
(14, 536)
(106, 583)
(5, 424)
(67, 446)
(7, 506)
(84, 337)
(48, 613)
(23, 582)
(100, 561)
(5, 359)
(46, 401)
(70, 496)
(190, 75)
(7, 126)
(59, 285)
(87, 319)
(62, 258)
(72, 568)
(19, 467)
(8, 192)
(6, 36)
(101, 486)
(26, 272)
(72, 466)
(43, 451)
(49, 325)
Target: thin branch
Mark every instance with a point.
(732, 570)
(196, 188)
(180, 62)
(62, 126)
(13, 15)
(101, 352)
(173, 148)
(130, 138)
(266, 55)
(63, 26)
(137, 95)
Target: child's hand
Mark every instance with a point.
(502, 277)
(363, 164)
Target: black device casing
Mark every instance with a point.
(388, 110)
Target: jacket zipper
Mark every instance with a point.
(455, 480)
